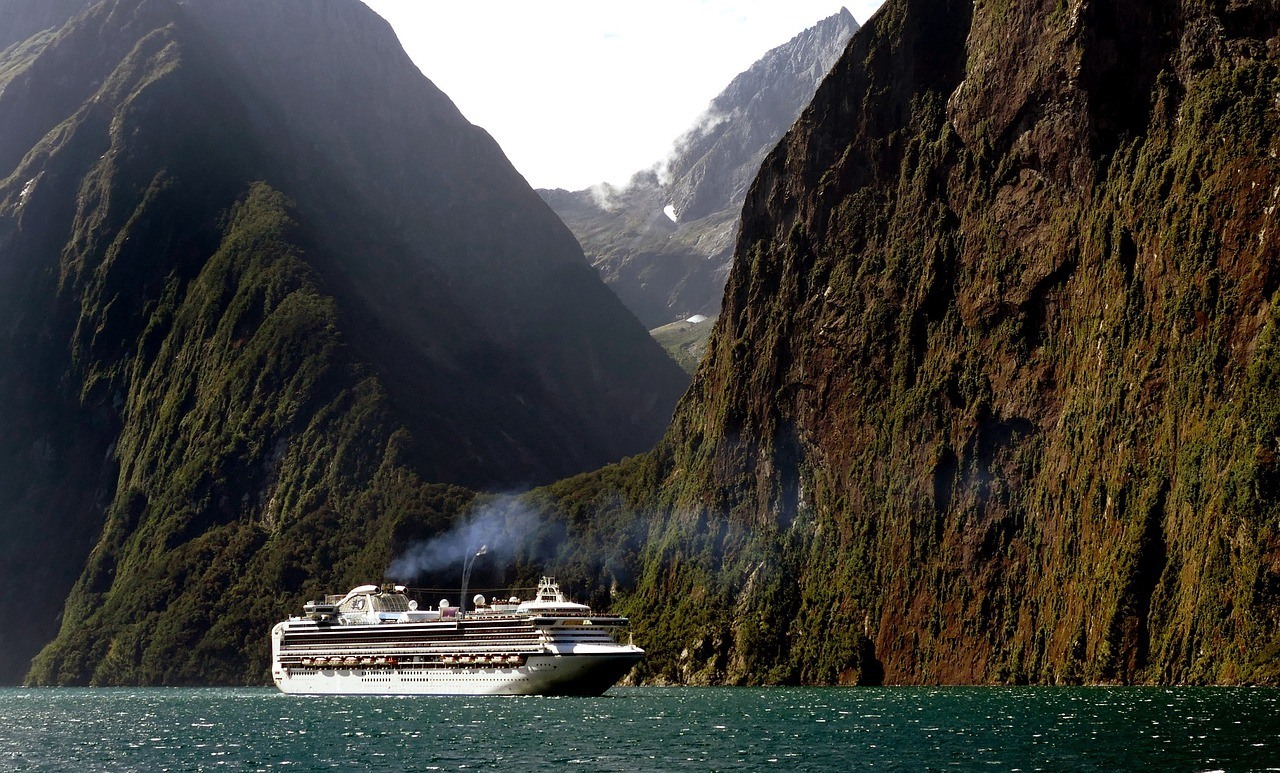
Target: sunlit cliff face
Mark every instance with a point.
(990, 397)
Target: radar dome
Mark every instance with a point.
(478, 600)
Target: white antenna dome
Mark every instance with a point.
(478, 600)
(444, 603)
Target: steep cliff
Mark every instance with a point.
(259, 280)
(666, 269)
(993, 396)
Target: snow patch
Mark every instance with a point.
(26, 191)
(670, 211)
(696, 318)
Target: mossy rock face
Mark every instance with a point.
(992, 396)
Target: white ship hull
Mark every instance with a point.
(540, 675)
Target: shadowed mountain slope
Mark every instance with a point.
(259, 279)
(666, 270)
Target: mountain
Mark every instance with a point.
(994, 396)
(267, 300)
(24, 19)
(664, 243)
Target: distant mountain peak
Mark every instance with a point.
(663, 243)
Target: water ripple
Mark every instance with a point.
(644, 729)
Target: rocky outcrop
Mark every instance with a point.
(664, 243)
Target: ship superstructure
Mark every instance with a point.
(375, 640)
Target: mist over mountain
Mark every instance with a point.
(266, 297)
(664, 242)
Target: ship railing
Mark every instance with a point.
(597, 621)
(402, 656)
(403, 663)
(311, 650)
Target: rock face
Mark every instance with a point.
(259, 279)
(666, 270)
(995, 392)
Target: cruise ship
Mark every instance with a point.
(375, 641)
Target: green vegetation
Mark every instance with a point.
(685, 341)
(257, 464)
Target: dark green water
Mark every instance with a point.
(646, 729)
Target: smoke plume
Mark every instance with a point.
(503, 526)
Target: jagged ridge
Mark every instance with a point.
(666, 271)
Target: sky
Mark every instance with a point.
(579, 92)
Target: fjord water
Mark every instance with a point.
(645, 729)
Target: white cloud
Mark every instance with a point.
(579, 91)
